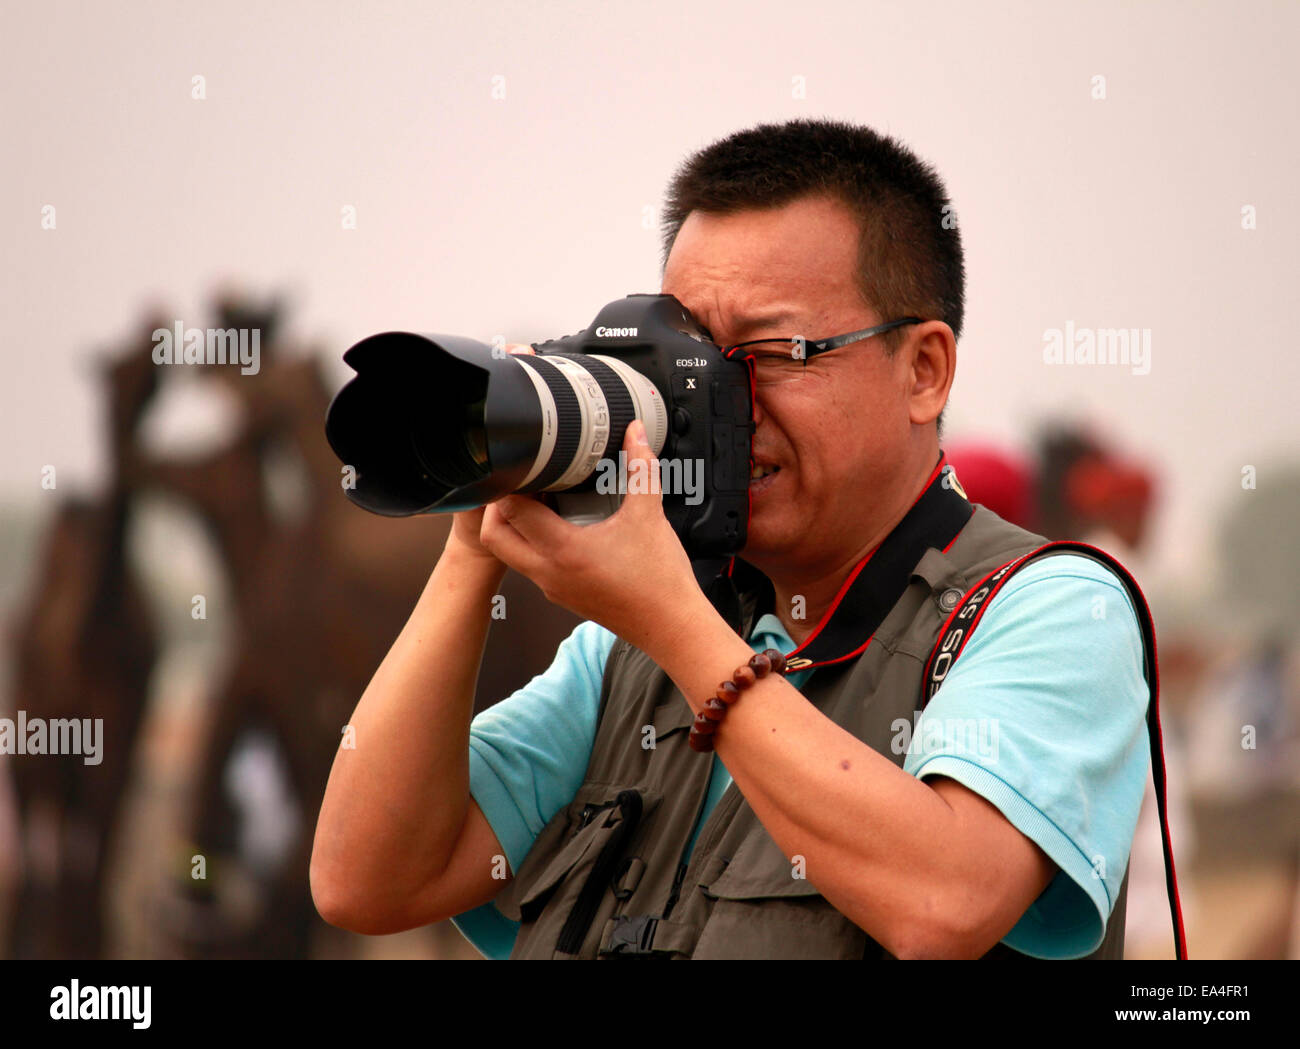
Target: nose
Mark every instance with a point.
(759, 407)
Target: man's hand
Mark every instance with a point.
(629, 572)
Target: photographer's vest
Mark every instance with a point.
(604, 877)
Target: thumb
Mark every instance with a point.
(643, 485)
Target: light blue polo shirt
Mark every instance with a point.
(1044, 715)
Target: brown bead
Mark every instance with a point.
(760, 665)
(776, 660)
(744, 677)
(728, 692)
(699, 742)
(704, 725)
(714, 709)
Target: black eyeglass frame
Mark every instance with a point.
(812, 347)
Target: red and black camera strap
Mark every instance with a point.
(872, 589)
(874, 586)
(965, 617)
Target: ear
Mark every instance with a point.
(933, 358)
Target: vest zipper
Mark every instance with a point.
(589, 899)
(677, 888)
(589, 812)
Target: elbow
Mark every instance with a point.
(940, 933)
(934, 945)
(343, 905)
(332, 900)
(328, 886)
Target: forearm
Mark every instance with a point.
(395, 804)
(880, 845)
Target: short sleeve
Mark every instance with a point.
(529, 751)
(1044, 715)
(527, 756)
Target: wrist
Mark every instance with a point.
(477, 566)
(697, 649)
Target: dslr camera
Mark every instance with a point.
(442, 423)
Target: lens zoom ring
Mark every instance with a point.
(568, 422)
(621, 409)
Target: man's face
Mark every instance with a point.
(833, 443)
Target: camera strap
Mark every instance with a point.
(875, 585)
(965, 617)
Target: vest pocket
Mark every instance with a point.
(598, 827)
(761, 910)
(673, 716)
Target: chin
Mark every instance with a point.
(768, 537)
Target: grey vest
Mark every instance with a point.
(603, 879)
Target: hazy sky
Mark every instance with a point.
(522, 215)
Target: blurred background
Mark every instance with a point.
(176, 554)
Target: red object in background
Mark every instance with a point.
(1100, 487)
(1110, 492)
(999, 480)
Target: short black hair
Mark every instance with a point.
(910, 261)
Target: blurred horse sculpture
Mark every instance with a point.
(84, 648)
(320, 589)
(320, 594)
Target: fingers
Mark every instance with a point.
(538, 524)
(644, 493)
(533, 539)
(523, 533)
(499, 538)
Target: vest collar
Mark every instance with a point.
(876, 583)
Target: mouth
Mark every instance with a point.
(762, 476)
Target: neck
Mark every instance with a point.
(812, 590)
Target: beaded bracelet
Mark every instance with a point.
(707, 721)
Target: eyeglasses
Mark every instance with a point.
(783, 360)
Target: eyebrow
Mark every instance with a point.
(775, 319)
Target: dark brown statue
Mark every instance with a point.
(84, 648)
(319, 589)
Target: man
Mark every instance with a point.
(831, 820)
